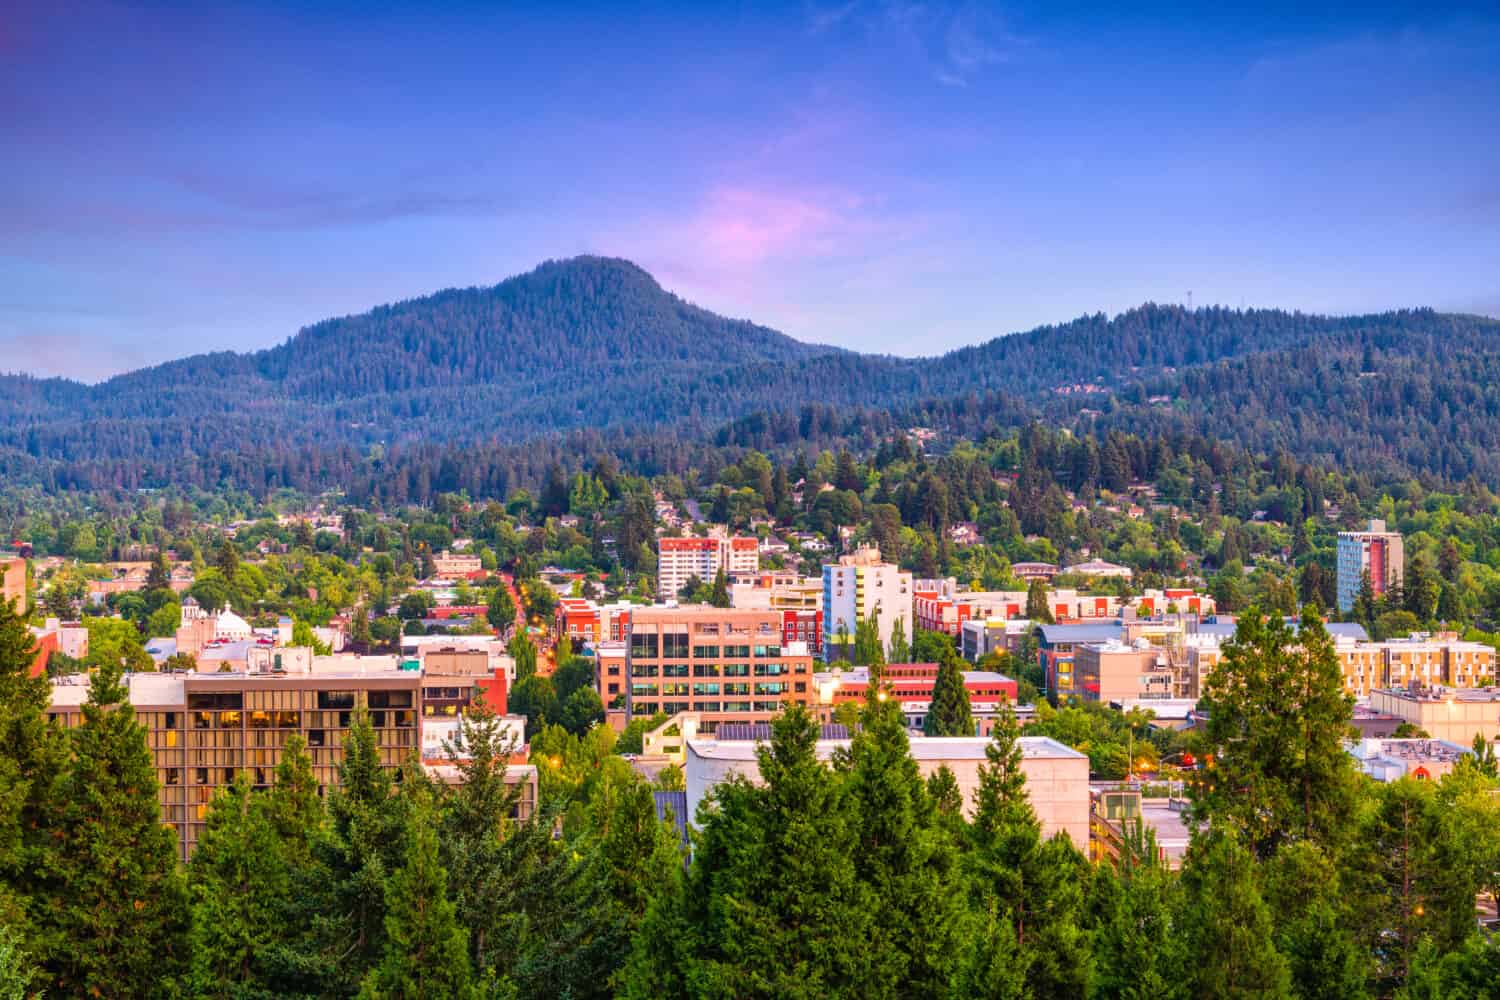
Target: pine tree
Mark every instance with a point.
(903, 857)
(474, 822)
(1364, 609)
(1037, 884)
(361, 849)
(1277, 718)
(1314, 929)
(121, 891)
(948, 714)
(33, 758)
(719, 596)
(159, 576)
(426, 948)
(241, 885)
(227, 560)
(1036, 603)
(1226, 925)
(774, 903)
(294, 808)
(1138, 955)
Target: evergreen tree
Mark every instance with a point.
(33, 759)
(294, 808)
(719, 596)
(227, 560)
(426, 948)
(1277, 720)
(121, 905)
(1036, 603)
(241, 885)
(1364, 609)
(774, 904)
(1138, 954)
(1314, 930)
(1038, 885)
(904, 858)
(363, 844)
(475, 820)
(1226, 925)
(159, 576)
(948, 714)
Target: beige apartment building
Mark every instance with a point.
(1438, 660)
(728, 665)
(1454, 715)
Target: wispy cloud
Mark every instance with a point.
(744, 241)
(955, 42)
(822, 17)
(204, 201)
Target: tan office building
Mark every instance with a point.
(204, 729)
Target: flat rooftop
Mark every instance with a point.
(1480, 696)
(922, 748)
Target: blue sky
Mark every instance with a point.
(890, 176)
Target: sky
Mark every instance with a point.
(902, 177)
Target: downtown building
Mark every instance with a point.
(860, 587)
(1374, 551)
(724, 664)
(204, 730)
(679, 560)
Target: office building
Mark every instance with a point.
(1425, 660)
(724, 664)
(204, 729)
(1374, 551)
(1450, 714)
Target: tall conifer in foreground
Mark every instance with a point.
(426, 949)
(121, 904)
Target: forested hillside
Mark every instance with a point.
(592, 353)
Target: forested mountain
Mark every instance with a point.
(593, 353)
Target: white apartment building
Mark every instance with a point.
(859, 586)
(680, 559)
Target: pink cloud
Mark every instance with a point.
(740, 227)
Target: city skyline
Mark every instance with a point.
(888, 177)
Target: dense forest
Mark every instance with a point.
(590, 355)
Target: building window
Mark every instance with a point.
(335, 699)
(315, 737)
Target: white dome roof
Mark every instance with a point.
(229, 623)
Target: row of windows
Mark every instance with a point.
(648, 708)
